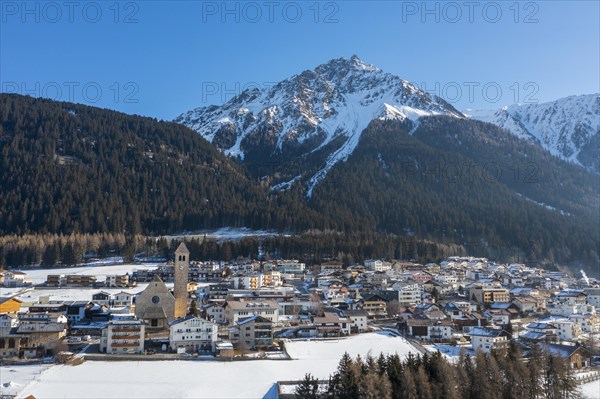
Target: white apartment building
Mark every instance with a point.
(487, 339)
(234, 310)
(123, 336)
(193, 334)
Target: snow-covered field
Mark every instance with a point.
(14, 379)
(225, 234)
(38, 276)
(74, 294)
(591, 390)
(206, 379)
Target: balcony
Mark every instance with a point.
(125, 329)
(126, 337)
(127, 345)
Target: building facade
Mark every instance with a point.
(193, 334)
(123, 336)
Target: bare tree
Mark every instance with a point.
(393, 308)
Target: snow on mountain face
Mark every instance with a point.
(310, 110)
(568, 128)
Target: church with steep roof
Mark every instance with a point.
(156, 305)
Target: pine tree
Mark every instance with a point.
(51, 255)
(534, 370)
(308, 388)
(423, 384)
(409, 385)
(194, 311)
(345, 380)
(372, 385)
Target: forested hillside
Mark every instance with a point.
(495, 195)
(73, 169)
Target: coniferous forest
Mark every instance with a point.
(498, 375)
(70, 172)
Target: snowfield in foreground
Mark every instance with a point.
(591, 390)
(14, 379)
(206, 379)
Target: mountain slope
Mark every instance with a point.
(315, 117)
(367, 151)
(568, 128)
(443, 182)
(68, 167)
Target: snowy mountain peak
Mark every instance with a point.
(327, 107)
(568, 128)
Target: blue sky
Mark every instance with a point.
(162, 58)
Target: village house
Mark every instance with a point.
(498, 317)
(375, 306)
(253, 281)
(10, 305)
(540, 331)
(359, 320)
(234, 310)
(332, 324)
(13, 344)
(377, 265)
(486, 339)
(571, 297)
(122, 299)
(577, 356)
(459, 309)
(593, 296)
(102, 298)
(117, 280)
(508, 307)
(588, 323)
(408, 294)
(426, 329)
(291, 266)
(123, 336)
(36, 337)
(218, 292)
(528, 304)
(489, 294)
(53, 317)
(215, 312)
(193, 334)
(567, 330)
(12, 279)
(75, 311)
(331, 266)
(70, 280)
(252, 332)
(8, 320)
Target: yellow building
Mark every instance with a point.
(9, 305)
(496, 295)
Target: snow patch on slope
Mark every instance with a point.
(562, 127)
(336, 100)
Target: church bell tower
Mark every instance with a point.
(182, 265)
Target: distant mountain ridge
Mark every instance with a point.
(397, 162)
(568, 128)
(325, 108)
(366, 150)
